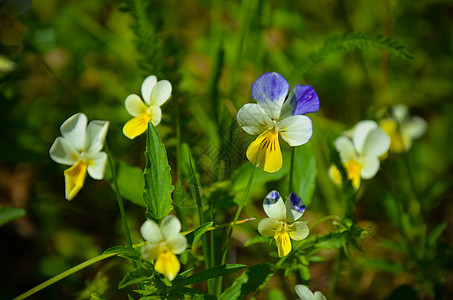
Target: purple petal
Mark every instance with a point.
(302, 100)
(295, 207)
(270, 87)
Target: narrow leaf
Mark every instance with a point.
(194, 236)
(158, 187)
(10, 213)
(304, 172)
(210, 273)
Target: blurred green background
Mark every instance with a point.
(87, 56)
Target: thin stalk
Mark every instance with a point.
(205, 245)
(291, 167)
(118, 196)
(236, 217)
(178, 193)
(336, 274)
(64, 275)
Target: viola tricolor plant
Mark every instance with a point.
(275, 114)
(155, 94)
(282, 223)
(80, 147)
(360, 156)
(402, 128)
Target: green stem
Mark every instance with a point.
(291, 167)
(118, 196)
(336, 274)
(236, 217)
(206, 252)
(64, 275)
(332, 217)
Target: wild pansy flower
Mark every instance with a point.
(360, 156)
(164, 242)
(273, 115)
(80, 146)
(282, 223)
(402, 128)
(304, 293)
(154, 93)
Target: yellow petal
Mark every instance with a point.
(136, 126)
(74, 179)
(270, 155)
(283, 243)
(168, 264)
(353, 169)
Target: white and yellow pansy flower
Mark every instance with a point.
(154, 93)
(304, 293)
(360, 156)
(80, 147)
(273, 115)
(402, 129)
(282, 223)
(164, 242)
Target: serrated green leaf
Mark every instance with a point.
(135, 276)
(248, 282)
(194, 236)
(130, 182)
(304, 172)
(209, 273)
(158, 183)
(10, 213)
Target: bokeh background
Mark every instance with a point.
(87, 56)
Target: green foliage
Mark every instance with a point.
(8, 214)
(158, 187)
(204, 275)
(194, 236)
(130, 182)
(136, 276)
(350, 42)
(304, 172)
(248, 282)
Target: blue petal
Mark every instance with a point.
(270, 90)
(295, 207)
(271, 198)
(302, 100)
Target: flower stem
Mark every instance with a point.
(118, 195)
(291, 167)
(236, 217)
(64, 275)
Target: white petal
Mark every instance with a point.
(253, 119)
(370, 166)
(151, 251)
(151, 232)
(377, 142)
(178, 243)
(134, 105)
(415, 128)
(96, 166)
(346, 149)
(268, 226)
(73, 130)
(319, 296)
(295, 207)
(303, 292)
(299, 230)
(147, 87)
(160, 93)
(361, 131)
(156, 114)
(400, 113)
(62, 152)
(96, 133)
(274, 207)
(170, 226)
(295, 130)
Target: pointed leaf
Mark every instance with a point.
(209, 273)
(158, 187)
(10, 213)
